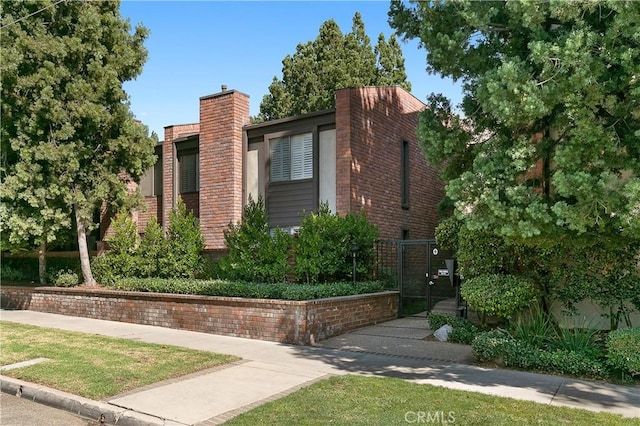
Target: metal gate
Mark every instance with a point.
(422, 275)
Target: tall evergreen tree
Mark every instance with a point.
(68, 136)
(547, 153)
(550, 139)
(332, 61)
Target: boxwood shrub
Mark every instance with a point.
(498, 347)
(623, 350)
(499, 295)
(250, 290)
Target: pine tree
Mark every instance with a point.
(332, 61)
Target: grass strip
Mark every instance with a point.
(95, 366)
(358, 400)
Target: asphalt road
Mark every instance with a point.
(16, 411)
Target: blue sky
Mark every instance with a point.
(196, 46)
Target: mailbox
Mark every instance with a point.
(451, 269)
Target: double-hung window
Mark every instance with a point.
(291, 157)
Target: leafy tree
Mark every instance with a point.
(68, 136)
(547, 152)
(332, 61)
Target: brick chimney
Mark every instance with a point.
(222, 117)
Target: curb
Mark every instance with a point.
(100, 412)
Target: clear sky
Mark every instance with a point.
(197, 46)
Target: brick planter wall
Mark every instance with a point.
(297, 322)
(15, 297)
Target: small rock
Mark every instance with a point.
(442, 334)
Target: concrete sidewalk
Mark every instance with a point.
(271, 370)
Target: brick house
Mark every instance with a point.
(362, 154)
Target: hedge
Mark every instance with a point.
(250, 290)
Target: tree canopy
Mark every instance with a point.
(68, 135)
(332, 61)
(544, 162)
(549, 144)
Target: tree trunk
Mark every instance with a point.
(42, 263)
(85, 265)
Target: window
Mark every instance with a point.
(151, 182)
(189, 172)
(404, 175)
(291, 157)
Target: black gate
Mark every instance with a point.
(422, 275)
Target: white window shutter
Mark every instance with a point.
(280, 162)
(302, 156)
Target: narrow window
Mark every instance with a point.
(404, 177)
(157, 176)
(189, 173)
(151, 182)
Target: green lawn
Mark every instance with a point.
(95, 366)
(357, 400)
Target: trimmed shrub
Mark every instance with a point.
(66, 278)
(499, 295)
(573, 363)
(177, 255)
(255, 254)
(502, 349)
(323, 248)
(122, 260)
(623, 350)
(185, 243)
(490, 346)
(250, 290)
(152, 251)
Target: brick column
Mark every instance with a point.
(222, 117)
(343, 151)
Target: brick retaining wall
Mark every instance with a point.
(15, 297)
(297, 322)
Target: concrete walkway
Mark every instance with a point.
(271, 370)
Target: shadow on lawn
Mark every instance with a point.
(541, 387)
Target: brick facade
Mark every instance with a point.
(371, 125)
(152, 207)
(296, 322)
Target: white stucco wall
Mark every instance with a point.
(327, 166)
